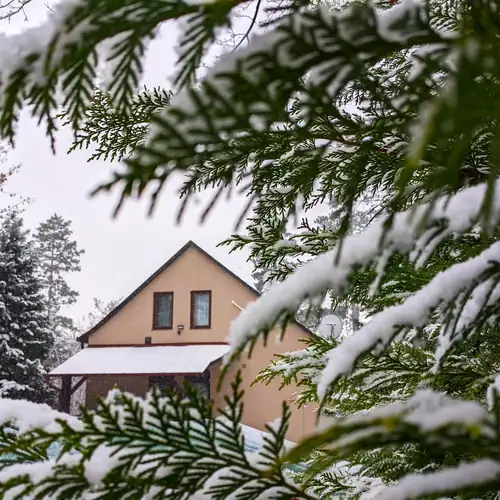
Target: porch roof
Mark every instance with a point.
(148, 360)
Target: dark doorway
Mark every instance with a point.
(163, 382)
(201, 383)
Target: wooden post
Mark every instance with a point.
(77, 385)
(65, 394)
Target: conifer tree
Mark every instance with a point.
(26, 339)
(59, 255)
(397, 98)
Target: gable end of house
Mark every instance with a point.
(190, 244)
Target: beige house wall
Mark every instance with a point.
(263, 403)
(193, 271)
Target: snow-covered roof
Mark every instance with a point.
(152, 360)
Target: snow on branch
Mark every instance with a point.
(28, 45)
(427, 410)
(428, 418)
(77, 38)
(338, 30)
(250, 89)
(168, 445)
(444, 481)
(26, 416)
(411, 232)
(415, 311)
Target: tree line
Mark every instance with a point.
(36, 334)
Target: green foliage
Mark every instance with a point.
(443, 433)
(117, 134)
(25, 336)
(399, 103)
(164, 447)
(170, 447)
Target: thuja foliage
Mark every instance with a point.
(164, 446)
(400, 101)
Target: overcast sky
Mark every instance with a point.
(122, 252)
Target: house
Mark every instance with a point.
(174, 327)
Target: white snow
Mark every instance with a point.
(426, 409)
(103, 460)
(37, 471)
(279, 43)
(322, 274)
(485, 294)
(26, 416)
(136, 360)
(35, 40)
(431, 410)
(414, 311)
(8, 387)
(443, 481)
(106, 458)
(388, 19)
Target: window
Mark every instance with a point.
(201, 305)
(163, 310)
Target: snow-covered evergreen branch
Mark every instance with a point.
(416, 232)
(179, 449)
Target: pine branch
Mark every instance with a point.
(466, 421)
(180, 130)
(117, 134)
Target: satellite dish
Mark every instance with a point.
(330, 326)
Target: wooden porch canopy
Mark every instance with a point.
(149, 360)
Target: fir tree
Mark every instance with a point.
(26, 339)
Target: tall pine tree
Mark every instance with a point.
(59, 256)
(25, 337)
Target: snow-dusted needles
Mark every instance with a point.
(407, 235)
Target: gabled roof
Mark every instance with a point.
(190, 244)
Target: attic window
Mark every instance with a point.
(201, 309)
(163, 303)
